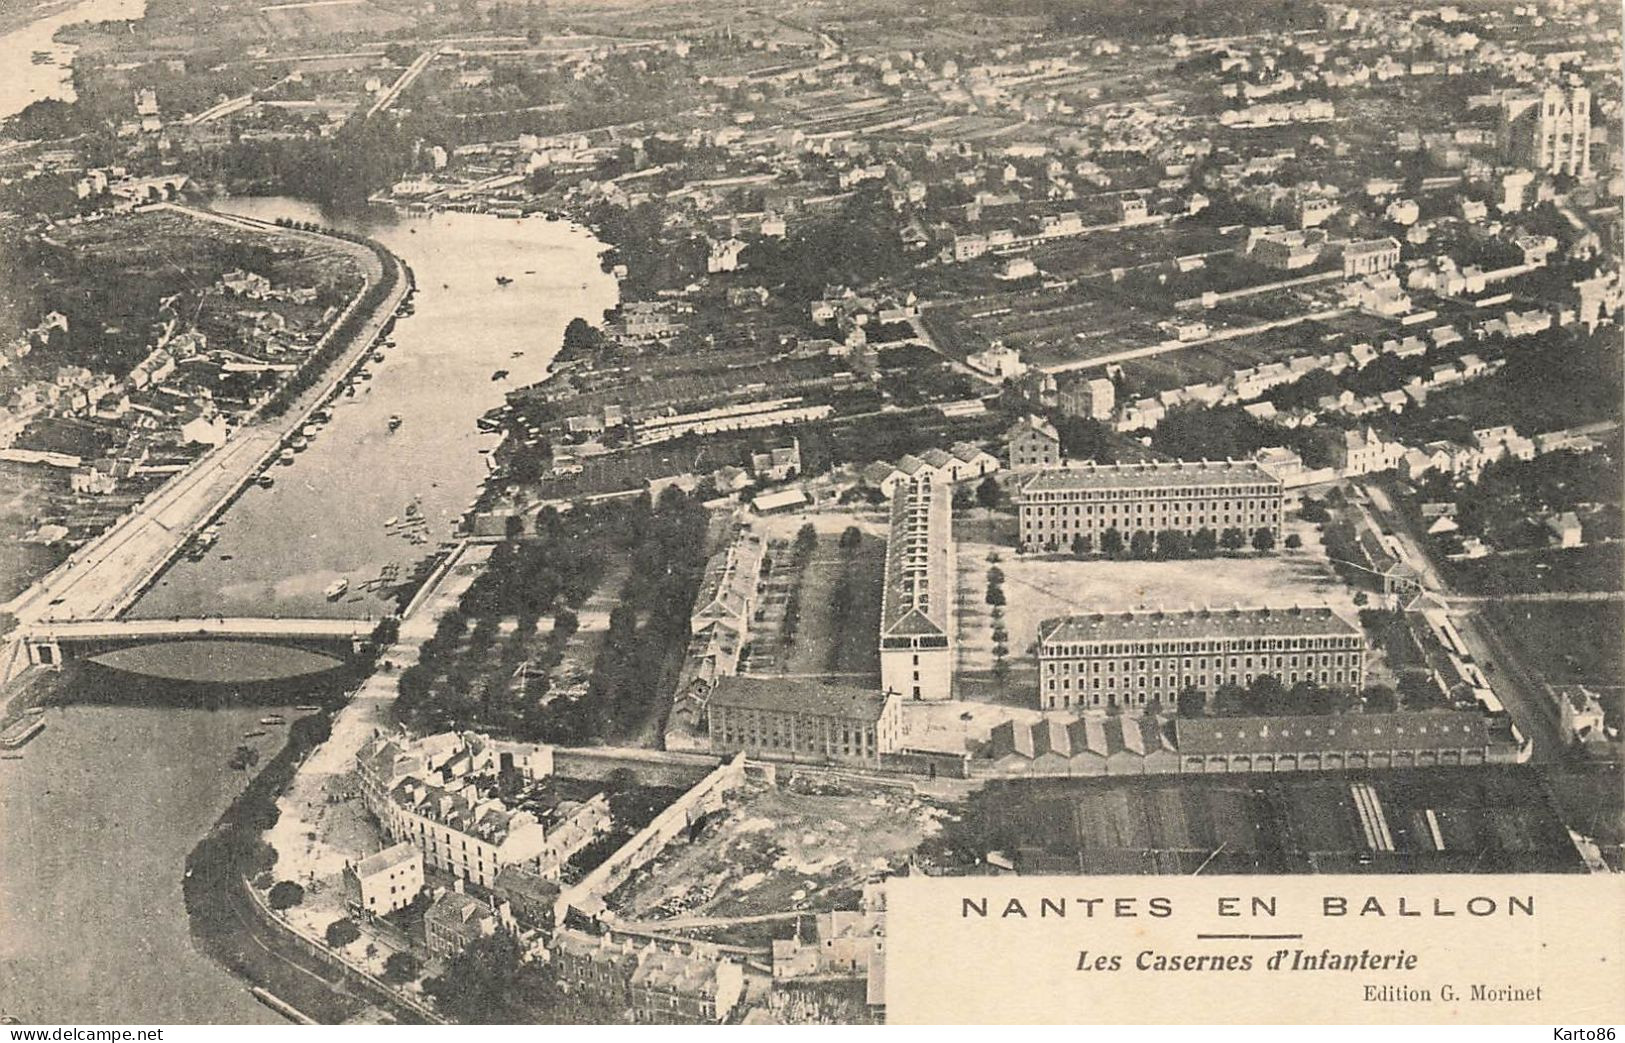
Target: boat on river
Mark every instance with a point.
(336, 589)
(503, 280)
(394, 421)
(265, 481)
(21, 733)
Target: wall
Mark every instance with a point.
(650, 840)
(651, 767)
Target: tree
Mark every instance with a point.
(261, 857)
(1379, 698)
(489, 982)
(995, 596)
(1263, 539)
(1266, 696)
(806, 540)
(1191, 702)
(1417, 690)
(988, 494)
(1205, 542)
(1232, 539)
(285, 895)
(1294, 541)
(1141, 544)
(1082, 544)
(580, 337)
(1084, 439)
(341, 933)
(995, 576)
(1111, 543)
(400, 967)
(1173, 543)
(1230, 699)
(851, 539)
(1318, 699)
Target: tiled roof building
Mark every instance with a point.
(916, 612)
(803, 720)
(1102, 661)
(1057, 505)
(657, 983)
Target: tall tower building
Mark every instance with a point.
(1550, 131)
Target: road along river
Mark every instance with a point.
(366, 498)
(97, 817)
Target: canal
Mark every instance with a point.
(367, 500)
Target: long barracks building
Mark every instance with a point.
(916, 609)
(1129, 659)
(1060, 504)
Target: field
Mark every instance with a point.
(1594, 567)
(1495, 819)
(1038, 587)
(1566, 642)
(300, 19)
(779, 850)
(836, 597)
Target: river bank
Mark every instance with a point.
(30, 30)
(96, 822)
(107, 574)
(390, 477)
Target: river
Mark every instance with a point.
(96, 822)
(326, 517)
(97, 818)
(25, 82)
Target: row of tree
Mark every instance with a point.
(1166, 544)
(1269, 696)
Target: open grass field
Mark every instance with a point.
(1494, 819)
(835, 598)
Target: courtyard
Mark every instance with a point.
(1043, 586)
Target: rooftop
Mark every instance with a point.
(1150, 475)
(799, 696)
(1230, 622)
(1395, 731)
(387, 859)
(918, 589)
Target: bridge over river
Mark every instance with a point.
(221, 648)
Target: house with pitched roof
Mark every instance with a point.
(1033, 444)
